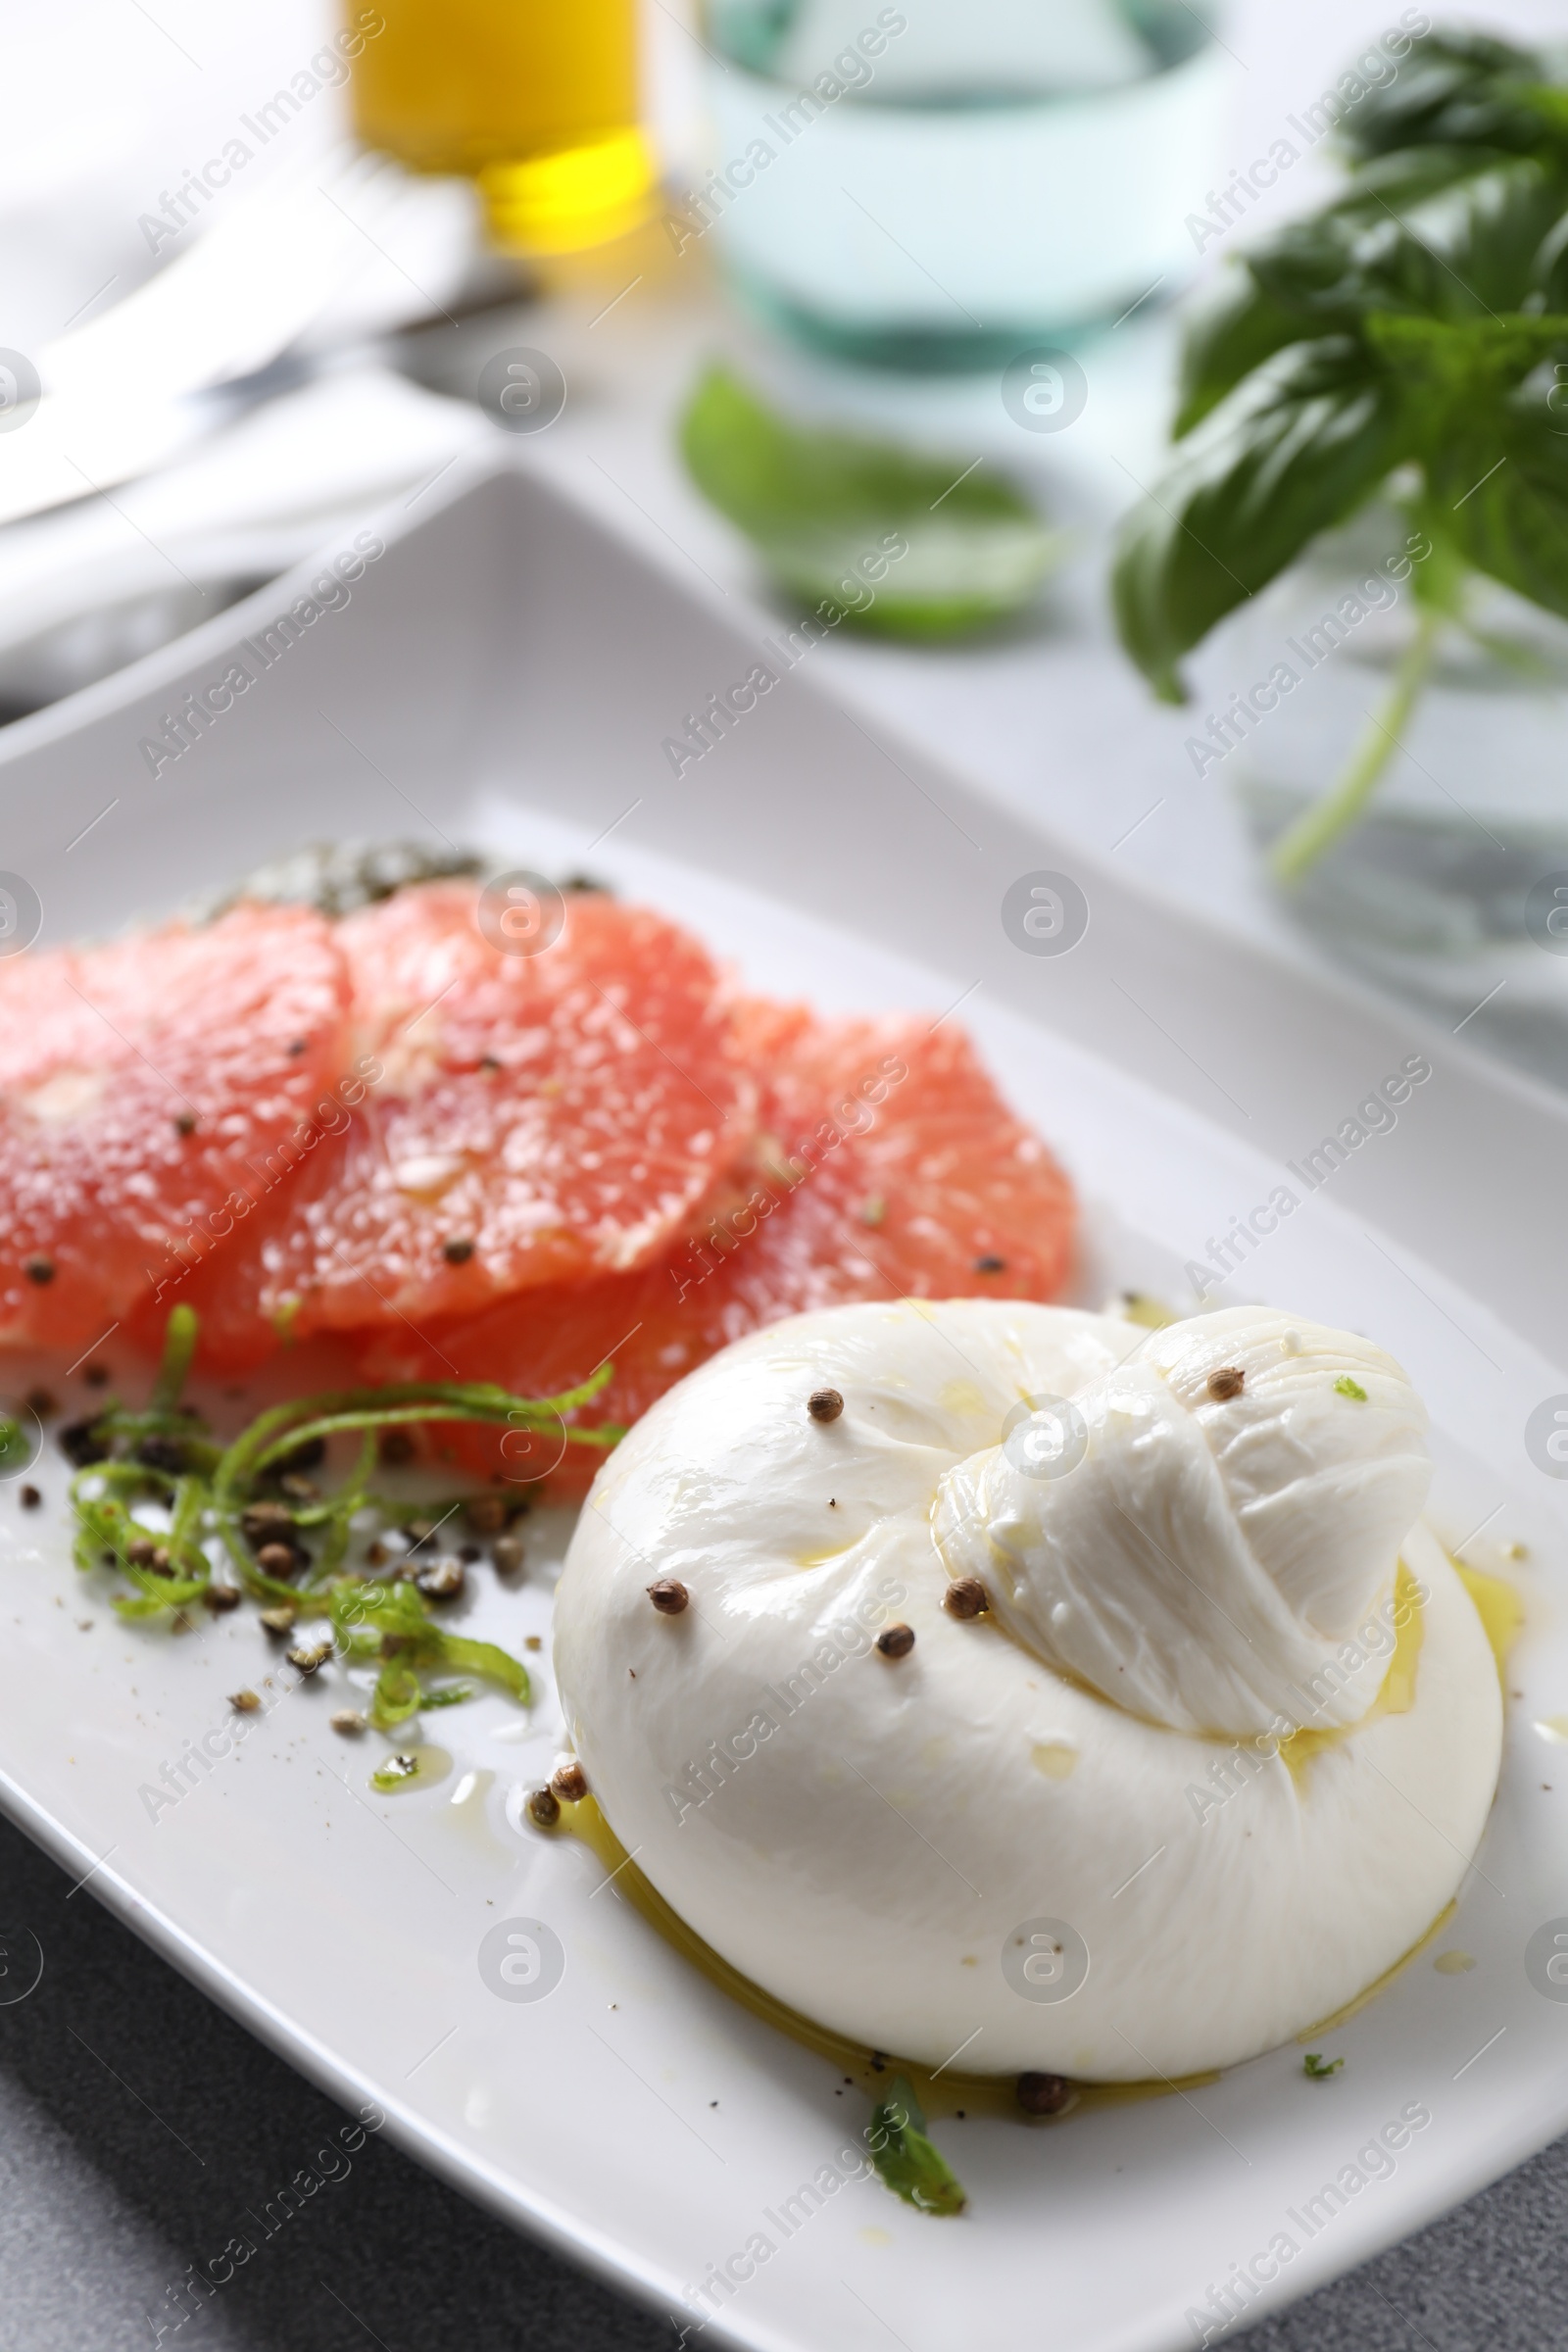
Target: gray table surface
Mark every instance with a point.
(137, 2122)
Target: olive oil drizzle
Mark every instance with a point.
(1501, 1612)
(1369, 1993)
(1395, 1693)
(1500, 1608)
(943, 2093)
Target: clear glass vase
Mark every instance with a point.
(1405, 776)
(940, 183)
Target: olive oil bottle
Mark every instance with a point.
(537, 99)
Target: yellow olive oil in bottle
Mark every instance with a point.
(537, 99)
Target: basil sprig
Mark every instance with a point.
(1416, 327)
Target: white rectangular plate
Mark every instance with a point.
(505, 676)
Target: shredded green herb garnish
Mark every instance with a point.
(1344, 1385)
(165, 1457)
(907, 2162)
(1312, 2065)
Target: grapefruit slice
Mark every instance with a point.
(906, 1175)
(532, 1120)
(154, 1094)
(887, 1166)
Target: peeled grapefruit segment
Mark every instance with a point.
(887, 1166)
(537, 1119)
(906, 1175)
(151, 1094)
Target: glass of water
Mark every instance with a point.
(1451, 888)
(938, 183)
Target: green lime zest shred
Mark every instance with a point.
(166, 1455)
(909, 2163)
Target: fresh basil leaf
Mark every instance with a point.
(1467, 247)
(1238, 328)
(907, 2160)
(1503, 491)
(1456, 88)
(1473, 248)
(1313, 277)
(908, 544)
(1296, 450)
(1452, 369)
(1371, 246)
(1409, 175)
(1453, 233)
(770, 478)
(1550, 100)
(1551, 268)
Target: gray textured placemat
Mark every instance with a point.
(138, 2123)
